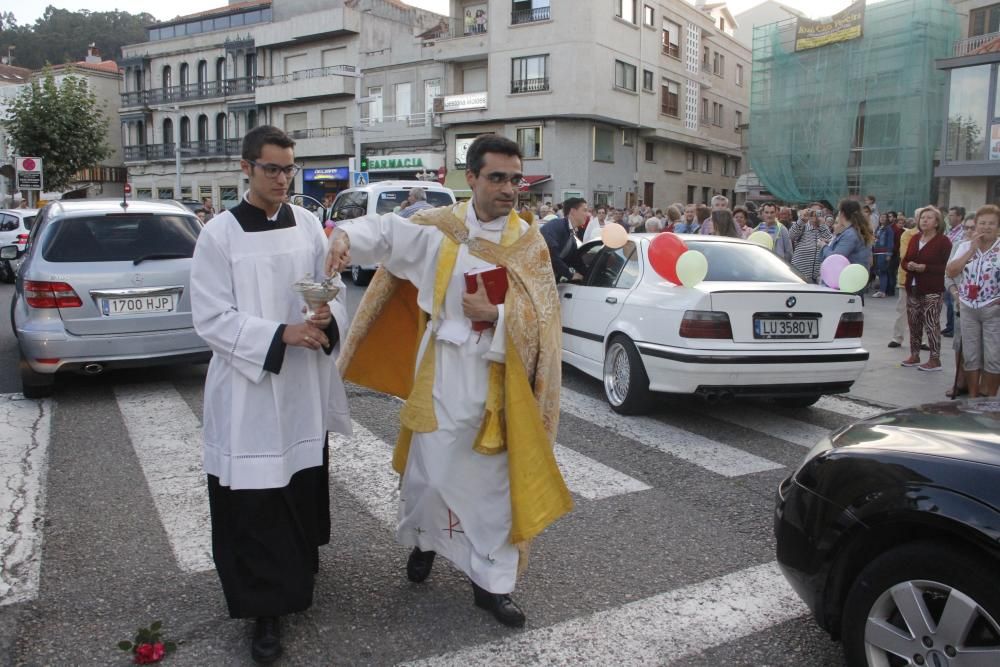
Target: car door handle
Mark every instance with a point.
(611, 299)
(567, 295)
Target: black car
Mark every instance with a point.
(890, 532)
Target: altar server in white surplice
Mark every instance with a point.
(479, 479)
(272, 393)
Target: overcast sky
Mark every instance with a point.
(34, 9)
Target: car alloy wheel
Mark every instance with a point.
(626, 385)
(922, 604)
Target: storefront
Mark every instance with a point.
(403, 167)
(325, 182)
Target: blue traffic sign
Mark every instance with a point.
(360, 178)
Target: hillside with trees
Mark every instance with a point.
(61, 36)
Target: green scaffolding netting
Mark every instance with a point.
(857, 117)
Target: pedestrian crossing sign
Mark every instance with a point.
(360, 178)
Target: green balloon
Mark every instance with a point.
(853, 278)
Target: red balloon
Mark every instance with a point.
(664, 251)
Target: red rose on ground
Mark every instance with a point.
(148, 653)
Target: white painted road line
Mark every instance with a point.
(592, 479)
(166, 436)
(846, 406)
(660, 630)
(362, 463)
(769, 423)
(24, 455)
(701, 451)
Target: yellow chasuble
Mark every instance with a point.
(522, 406)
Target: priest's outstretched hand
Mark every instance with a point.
(338, 257)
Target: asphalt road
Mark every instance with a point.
(668, 557)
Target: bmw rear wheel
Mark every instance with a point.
(923, 604)
(626, 385)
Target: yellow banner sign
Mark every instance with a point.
(840, 27)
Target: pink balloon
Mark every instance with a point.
(614, 235)
(829, 270)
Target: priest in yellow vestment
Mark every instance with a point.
(479, 478)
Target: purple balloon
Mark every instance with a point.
(829, 270)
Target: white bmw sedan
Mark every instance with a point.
(753, 327)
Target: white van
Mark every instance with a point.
(379, 198)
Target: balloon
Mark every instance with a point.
(853, 278)
(763, 239)
(692, 267)
(829, 270)
(614, 235)
(664, 251)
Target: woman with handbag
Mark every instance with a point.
(978, 264)
(925, 262)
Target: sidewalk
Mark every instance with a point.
(884, 381)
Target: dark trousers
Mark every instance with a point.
(893, 271)
(949, 313)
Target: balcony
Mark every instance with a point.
(323, 141)
(529, 85)
(672, 50)
(454, 40)
(305, 84)
(520, 16)
(188, 93)
(972, 45)
(192, 149)
(415, 128)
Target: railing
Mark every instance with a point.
(529, 85)
(965, 47)
(190, 91)
(452, 28)
(305, 74)
(672, 50)
(529, 15)
(670, 109)
(417, 119)
(320, 132)
(203, 148)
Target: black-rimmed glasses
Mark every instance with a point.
(272, 170)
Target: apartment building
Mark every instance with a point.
(620, 102)
(969, 166)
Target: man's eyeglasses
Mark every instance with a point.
(499, 178)
(272, 170)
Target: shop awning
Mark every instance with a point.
(456, 181)
(532, 181)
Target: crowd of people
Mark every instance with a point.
(930, 262)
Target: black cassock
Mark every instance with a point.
(265, 542)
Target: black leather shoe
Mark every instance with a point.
(502, 605)
(418, 565)
(266, 645)
(893, 343)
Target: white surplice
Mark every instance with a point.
(262, 427)
(453, 500)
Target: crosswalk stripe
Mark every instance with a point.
(663, 629)
(166, 436)
(846, 406)
(768, 423)
(592, 479)
(691, 447)
(363, 464)
(24, 453)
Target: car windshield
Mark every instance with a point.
(390, 199)
(121, 237)
(732, 262)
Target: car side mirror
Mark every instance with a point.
(8, 252)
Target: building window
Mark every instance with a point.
(647, 80)
(671, 38)
(690, 155)
(604, 144)
(706, 163)
(529, 74)
(404, 101)
(739, 75)
(375, 107)
(625, 10)
(705, 118)
(528, 11)
(670, 102)
(739, 120)
(725, 166)
(624, 76)
(706, 58)
(691, 190)
(968, 131)
(144, 193)
(717, 115)
(706, 195)
(718, 64)
(530, 141)
(295, 122)
(650, 151)
(647, 15)
(628, 138)
(984, 20)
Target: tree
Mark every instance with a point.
(62, 124)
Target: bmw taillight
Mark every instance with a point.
(45, 294)
(851, 325)
(706, 324)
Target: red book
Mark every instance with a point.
(495, 282)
